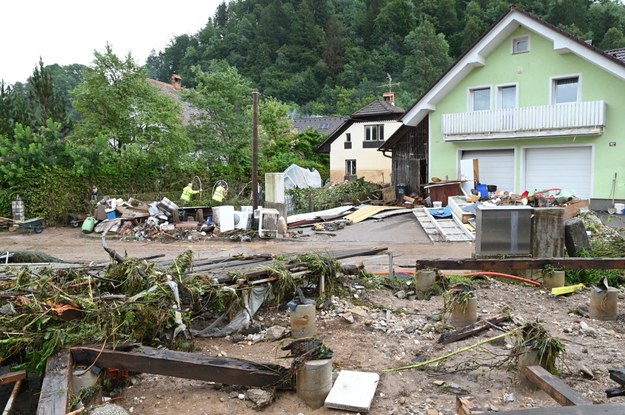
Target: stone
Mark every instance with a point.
(276, 333)
(348, 317)
(261, 398)
(401, 294)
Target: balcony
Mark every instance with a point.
(578, 118)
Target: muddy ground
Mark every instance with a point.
(387, 332)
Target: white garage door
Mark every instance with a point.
(567, 168)
(495, 166)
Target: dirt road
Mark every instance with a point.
(401, 234)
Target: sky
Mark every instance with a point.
(68, 31)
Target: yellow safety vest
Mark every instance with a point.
(220, 193)
(187, 192)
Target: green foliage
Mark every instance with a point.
(142, 125)
(312, 199)
(615, 277)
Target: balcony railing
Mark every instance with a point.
(581, 118)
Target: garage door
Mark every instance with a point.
(496, 167)
(567, 168)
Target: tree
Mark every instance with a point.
(32, 149)
(613, 39)
(222, 129)
(46, 102)
(428, 57)
(117, 101)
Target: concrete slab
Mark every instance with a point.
(353, 391)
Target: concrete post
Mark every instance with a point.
(548, 233)
(274, 192)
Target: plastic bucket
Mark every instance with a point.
(619, 207)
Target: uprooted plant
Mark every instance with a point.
(535, 341)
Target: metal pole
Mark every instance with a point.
(391, 268)
(255, 151)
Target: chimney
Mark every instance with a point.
(389, 97)
(176, 81)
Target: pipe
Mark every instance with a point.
(500, 274)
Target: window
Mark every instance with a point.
(566, 90)
(374, 132)
(350, 168)
(480, 99)
(348, 141)
(348, 137)
(521, 44)
(506, 97)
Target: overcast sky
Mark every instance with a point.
(68, 31)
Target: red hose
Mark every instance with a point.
(500, 274)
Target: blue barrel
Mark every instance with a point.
(88, 225)
(482, 189)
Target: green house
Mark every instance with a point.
(538, 108)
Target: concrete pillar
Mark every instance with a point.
(575, 237)
(274, 192)
(548, 233)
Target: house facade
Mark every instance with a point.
(536, 107)
(353, 146)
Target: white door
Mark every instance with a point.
(496, 167)
(566, 168)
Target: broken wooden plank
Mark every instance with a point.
(465, 405)
(554, 387)
(56, 386)
(188, 365)
(472, 329)
(601, 409)
(8, 408)
(12, 377)
(506, 264)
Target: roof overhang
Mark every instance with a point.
(476, 56)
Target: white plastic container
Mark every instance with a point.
(620, 208)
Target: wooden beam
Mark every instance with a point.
(507, 264)
(554, 387)
(472, 329)
(12, 377)
(465, 405)
(601, 409)
(188, 365)
(56, 386)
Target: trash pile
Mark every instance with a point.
(158, 220)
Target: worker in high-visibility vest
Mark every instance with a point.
(187, 192)
(220, 193)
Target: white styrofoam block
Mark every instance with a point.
(353, 391)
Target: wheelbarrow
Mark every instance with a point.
(34, 224)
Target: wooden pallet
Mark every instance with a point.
(446, 230)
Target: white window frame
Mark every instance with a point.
(515, 42)
(471, 100)
(377, 131)
(498, 99)
(350, 167)
(348, 137)
(552, 87)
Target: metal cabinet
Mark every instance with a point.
(503, 230)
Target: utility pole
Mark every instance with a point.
(255, 150)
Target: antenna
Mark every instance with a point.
(390, 83)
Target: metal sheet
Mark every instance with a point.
(503, 230)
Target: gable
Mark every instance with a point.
(497, 39)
